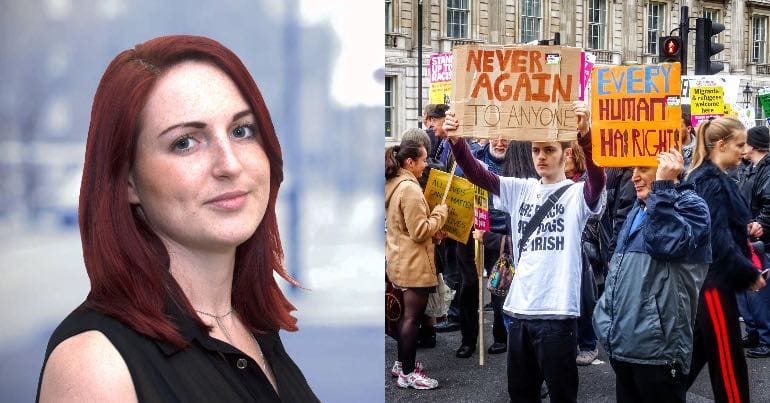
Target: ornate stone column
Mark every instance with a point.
(630, 37)
(567, 24)
(738, 41)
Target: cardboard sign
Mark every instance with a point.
(440, 66)
(481, 209)
(635, 113)
(764, 99)
(516, 92)
(706, 102)
(459, 200)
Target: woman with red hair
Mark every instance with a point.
(180, 238)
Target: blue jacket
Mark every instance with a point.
(731, 266)
(646, 313)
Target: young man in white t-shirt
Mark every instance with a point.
(544, 300)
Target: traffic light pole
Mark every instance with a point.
(419, 63)
(684, 31)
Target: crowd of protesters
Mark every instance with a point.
(656, 263)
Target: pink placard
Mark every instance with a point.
(440, 67)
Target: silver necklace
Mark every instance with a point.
(218, 319)
(261, 361)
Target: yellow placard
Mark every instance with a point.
(635, 113)
(459, 200)
(729, 111)
(440, 92)
(707, 102)
(517, 92)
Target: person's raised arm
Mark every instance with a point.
(473, 170)
(679, 222)
(596, 179)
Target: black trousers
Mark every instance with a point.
(587, 339)
(717, 341)
(468, 293)
(638, 383)
(542, 350)
(499, 334)
(491, 254)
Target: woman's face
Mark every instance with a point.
(732, 150)
(200, 174)
(416, 166)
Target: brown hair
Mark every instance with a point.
(578, 156)
(708, 134)
(396, 156)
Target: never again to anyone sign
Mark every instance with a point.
(459, 200)
(635, 113)
(516, 92)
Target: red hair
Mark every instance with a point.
(127, 263)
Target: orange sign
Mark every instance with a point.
(517, 92)
(635, 113)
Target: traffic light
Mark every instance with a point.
(670, 49)
(705, 48)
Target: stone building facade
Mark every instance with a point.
(616, 31)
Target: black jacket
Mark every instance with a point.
(731, 265)
(620, 198)
(755, 187)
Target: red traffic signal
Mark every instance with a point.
(670, 49)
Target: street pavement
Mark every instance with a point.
(463, 380)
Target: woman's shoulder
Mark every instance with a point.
(704, 178)
(83, 364)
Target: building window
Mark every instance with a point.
(759, 40)
(457, 13)
(388, 15)
(531, 17)
(655, 18)
(715, 16)
(597, 23)
(390, 84)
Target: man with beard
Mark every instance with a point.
(493, 155)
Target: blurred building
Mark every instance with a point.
(617, 32)
(55, 51)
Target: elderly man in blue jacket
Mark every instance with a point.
(645, 317)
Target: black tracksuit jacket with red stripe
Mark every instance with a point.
(731, 265)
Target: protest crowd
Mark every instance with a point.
(655, 261)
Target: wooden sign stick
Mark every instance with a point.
(480, 270)
(449, 182)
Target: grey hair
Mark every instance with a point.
(418, 135)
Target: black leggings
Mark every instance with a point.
(415, 302)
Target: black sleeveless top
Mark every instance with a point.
(208, 370)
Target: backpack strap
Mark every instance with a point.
(540, 214)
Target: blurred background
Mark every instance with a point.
(319, 65)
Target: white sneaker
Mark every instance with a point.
(416, 380)
(396, 370)
(586, 357)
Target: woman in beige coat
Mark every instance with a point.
(411, 227)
